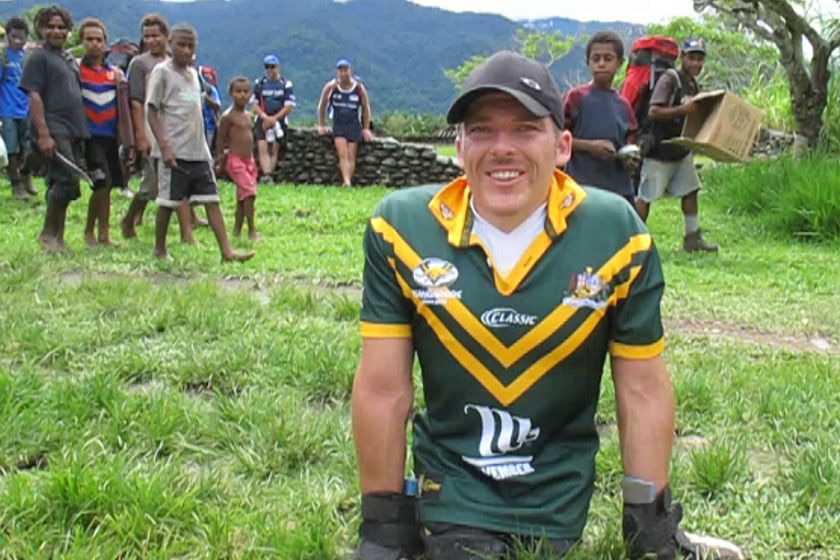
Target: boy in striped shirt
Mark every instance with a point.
(99, 95)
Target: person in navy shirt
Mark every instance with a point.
(14, 108)
(211, 103)
(349, 106)
(274, 99)
(601, 122)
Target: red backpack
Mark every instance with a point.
(650, 58)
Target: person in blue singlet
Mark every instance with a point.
(14, 108)
(349, 108)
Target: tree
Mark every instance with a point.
(546, 46)
(779, 22)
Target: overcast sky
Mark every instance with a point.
(602, 10)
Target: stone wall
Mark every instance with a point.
(771, 143)
(312, 159)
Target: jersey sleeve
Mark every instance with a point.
(289, 94)
(385, 311)
(136, 80)
(34, 76)
(636, 326)
(663, 90)
(155, 90)
(571, 104)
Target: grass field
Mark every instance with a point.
(193, 409)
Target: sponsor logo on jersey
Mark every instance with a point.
(502, 433)
(435, 276)
(502, 317)
(587, 290)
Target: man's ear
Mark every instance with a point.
(564, 148)
(459, 149)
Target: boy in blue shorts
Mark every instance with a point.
(51, 79)
(601, 121)
(185, 168)
(14, 108)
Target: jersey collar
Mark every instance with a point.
(451, 207)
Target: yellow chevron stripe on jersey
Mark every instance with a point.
(508, 355)
(633, 352)
(506, 394)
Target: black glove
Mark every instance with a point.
(390, 529)
(650, 529)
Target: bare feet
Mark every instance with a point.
(199, 222)
(237, 232)
(162, 255)
(127, 229)
(189, 240)
(238, 256)
(254, 235)
(90, 240)
(108, 242)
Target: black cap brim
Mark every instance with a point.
(458, 110)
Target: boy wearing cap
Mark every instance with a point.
(601, 121)
(350, 110)
(274, 99)
(466, 277)
(670, 167)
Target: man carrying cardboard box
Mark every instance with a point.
(668, 166)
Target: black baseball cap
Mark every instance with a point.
(693, 44)
(526, 79)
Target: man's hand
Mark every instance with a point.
(633, 163)
(322, 129)
(268, 122)
(601, 149)
(650, 529)
(390, 529)
(367, 135)
(46, 145)
(168, 157)
(142, 146)
(689, 106)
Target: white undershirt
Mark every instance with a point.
(506, 248)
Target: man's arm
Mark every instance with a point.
(662, 95)
(222, 136)
(364, 101)
(138, 117)
(322, 107)
(382, 399)
(157, 131)
(46, 145)
(645, 410)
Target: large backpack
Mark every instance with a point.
(120, 54)
(651, 57)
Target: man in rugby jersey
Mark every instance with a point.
(511, 285)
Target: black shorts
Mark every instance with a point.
(352, 131)
(62, 184)
(188, 180)
(102, 155)
(259, 133)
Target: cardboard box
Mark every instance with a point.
(724, 127)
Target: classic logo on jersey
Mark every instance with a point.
(435, 276)
(501, 433)
(502, 317)
(587, 290)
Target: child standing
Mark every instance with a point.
(175, 117)
(601, 121)
(51, 79)
(14, 108)
(99, 94)
(234, 154)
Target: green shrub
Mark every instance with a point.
(791, 197)
(404, 123)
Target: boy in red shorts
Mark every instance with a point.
(234, 149)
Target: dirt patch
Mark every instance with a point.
(716, 329)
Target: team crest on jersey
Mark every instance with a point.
(502, 433)
(435, 276)
(587, 290)
(446, 211)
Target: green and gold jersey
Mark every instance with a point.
(511, 365)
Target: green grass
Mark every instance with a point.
(194, 409)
